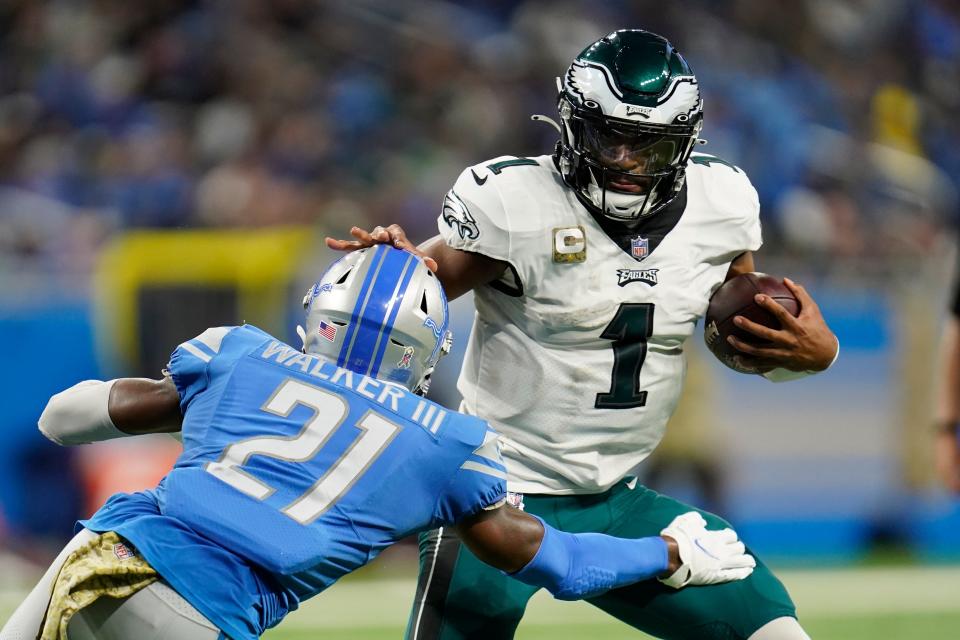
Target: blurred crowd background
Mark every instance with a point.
(243, 113)
(119, 116)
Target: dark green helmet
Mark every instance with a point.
(631, 113)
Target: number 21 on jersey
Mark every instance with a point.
(330, 409)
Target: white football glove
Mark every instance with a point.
(708, 557)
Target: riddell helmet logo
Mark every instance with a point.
(626, 276)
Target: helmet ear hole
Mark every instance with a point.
(344, 277)
(423, 302)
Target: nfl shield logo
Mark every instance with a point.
(639, 247)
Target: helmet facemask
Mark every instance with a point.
(626, 170)
(631, 114)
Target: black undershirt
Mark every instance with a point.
(654, 227)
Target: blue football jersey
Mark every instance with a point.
(295, 472)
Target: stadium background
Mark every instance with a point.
(166, 166)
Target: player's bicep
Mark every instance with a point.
(140, 405)
(461, 271)
(740, 265)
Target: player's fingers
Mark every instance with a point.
(741, 561)
(725, 536)
(758, 329)
(778, 310)
(761, 355)
(730, 575)
(735, 548)
(399, 237)
(807, 303)
(740, 345)
(364, 238)
(691, 519)
(753, 350)
(342, 245)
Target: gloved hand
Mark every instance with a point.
(707, 557)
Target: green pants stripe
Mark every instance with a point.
(460, 597)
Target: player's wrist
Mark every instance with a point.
(829, 357)
(673, 557)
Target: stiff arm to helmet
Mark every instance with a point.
(379, 312)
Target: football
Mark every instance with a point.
(736, 298)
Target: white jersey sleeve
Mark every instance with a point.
(733, 226)
(473, 217)
(496, 208)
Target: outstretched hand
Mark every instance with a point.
(392, 235)
(706, 556)
(804, 343)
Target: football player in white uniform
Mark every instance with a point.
(590, 269)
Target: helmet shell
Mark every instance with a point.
(633, 84)
(380, 312)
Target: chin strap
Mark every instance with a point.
(303, 336)
(547, 120)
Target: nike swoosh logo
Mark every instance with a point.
(702, 548)
(477, 179)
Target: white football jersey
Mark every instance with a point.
(576, 354)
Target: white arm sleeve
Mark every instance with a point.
(80, 415)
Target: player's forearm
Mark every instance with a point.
(461, 271)
(140, 406)
(575, 566)
(94, 411)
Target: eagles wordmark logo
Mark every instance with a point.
(456, 215)
(626, 276)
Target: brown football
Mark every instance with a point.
(735, 298)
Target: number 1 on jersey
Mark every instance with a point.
(632, 324)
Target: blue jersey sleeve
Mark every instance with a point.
(189, 364)
(480, 483)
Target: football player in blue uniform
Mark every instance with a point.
(300, 466)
